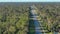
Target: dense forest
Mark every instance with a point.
(14, 18)
(50, 16)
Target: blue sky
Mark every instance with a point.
(29, 0)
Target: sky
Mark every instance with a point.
(29, 0)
